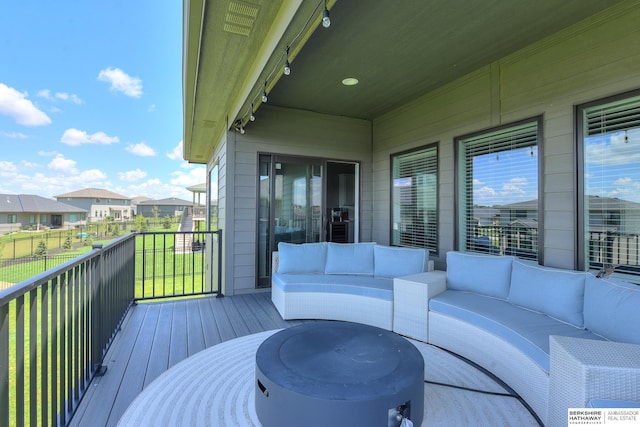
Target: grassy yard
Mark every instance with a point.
(160, 271)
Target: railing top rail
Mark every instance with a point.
(179, 232)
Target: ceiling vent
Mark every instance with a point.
(240, 18)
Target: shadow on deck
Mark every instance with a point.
(157, 335)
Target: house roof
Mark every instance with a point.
(28, 203)
(171, 201)
(399, 51)
(93, 193)
(198, 188)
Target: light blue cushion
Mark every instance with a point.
(372, 287)
(525, 329)
(350, 258)
(394, 262)
(482, 274)
(552, 291)
(612, 309)
(302, 258)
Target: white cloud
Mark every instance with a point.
(132, 176)
(187, 179)
(121, 82)
(64, 165)
(176, 153)
(141, 149)
(15, 104)
(616, 149)
(64, 96)
(46, 94)
(14, 135)
(75, 137)
(69, 97)
(7, 169)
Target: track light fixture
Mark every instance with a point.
(287, 66)
(249, 116)
(326, 21)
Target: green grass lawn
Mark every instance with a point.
(159, 272)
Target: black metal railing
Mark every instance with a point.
(178, 264)
(56, 327)
(620, 250)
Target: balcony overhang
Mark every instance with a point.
(397, 51)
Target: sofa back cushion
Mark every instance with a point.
(394, 261)
(555, 292)
(612, 309)
(350, 258)
(302, 258)
(482, 274)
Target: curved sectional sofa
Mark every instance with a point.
(334, 281)
(561, 339)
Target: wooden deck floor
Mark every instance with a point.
(157, 335)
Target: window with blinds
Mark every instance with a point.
(414, 195)
(610, 132)
(498, 190)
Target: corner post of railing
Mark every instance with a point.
(97, 335)
(220, 294)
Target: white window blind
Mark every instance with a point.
(611, 184)
(498, 191)
(415, 199)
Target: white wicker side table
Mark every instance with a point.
(582, 369)
(411, 296)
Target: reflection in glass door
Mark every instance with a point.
(289, 206)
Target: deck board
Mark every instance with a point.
(159, 352)
(157, 335)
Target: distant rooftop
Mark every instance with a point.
(94, 193)
(29, 203)
(170, 201)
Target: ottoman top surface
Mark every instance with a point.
(339, 360)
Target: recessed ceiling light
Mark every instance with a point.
(350, 81)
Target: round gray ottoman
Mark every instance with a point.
(338, 374)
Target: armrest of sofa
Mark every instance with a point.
(411, 295)
(582, 370)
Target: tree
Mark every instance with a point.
(41, 250)
(167, 222)
(68, 242)
(141, 224)
(156, 212)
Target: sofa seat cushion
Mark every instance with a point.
(374, 287)
(527, 330)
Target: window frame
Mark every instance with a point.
(459, 140)
(427, 147)
(582, 248)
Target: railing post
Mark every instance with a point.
(220, 294)
(97, 313)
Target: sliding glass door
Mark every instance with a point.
(289, 206)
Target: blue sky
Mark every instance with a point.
(91, 96)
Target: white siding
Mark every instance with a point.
(596, 58)
(290, 132)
